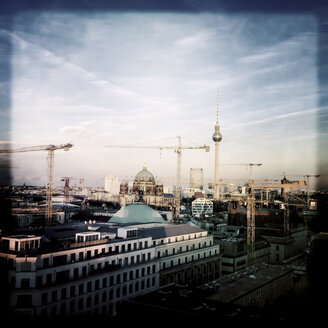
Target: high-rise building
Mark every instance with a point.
(112, 184)
(196, 178)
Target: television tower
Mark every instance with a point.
(217, 137)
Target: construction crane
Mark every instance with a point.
(250, 211)
(178, 150)
(66, 186)
(307, 176)
(50, 166)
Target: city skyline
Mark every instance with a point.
(145, 78)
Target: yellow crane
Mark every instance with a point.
(178, 149)
(50, 166)
(250, 211)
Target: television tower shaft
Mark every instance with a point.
(217, 137)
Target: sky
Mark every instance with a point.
(143, 78)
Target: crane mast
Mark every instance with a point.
(251, 215)
(50, 167)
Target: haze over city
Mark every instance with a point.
(144, 78)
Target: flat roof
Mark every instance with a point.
(22, 237)
(234, 286)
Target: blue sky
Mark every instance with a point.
(144, 78)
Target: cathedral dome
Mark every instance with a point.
(136, 213)
(144, 176)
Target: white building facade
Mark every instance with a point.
(99, 265)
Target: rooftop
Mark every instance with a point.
(234, 286)
(136, 213)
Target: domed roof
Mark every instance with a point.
(144, 176)
(136, 213)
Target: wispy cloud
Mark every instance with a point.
(274, 118)
(256, 58)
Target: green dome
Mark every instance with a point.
(144, 176)
(136, 213)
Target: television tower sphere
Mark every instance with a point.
(217, 137)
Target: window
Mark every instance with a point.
(76, 273)
(72, 291)
(88, 301)
(96, 299)
(54, 296)
(81, 287)
(24, 300)
(38, 281)
(63, 308)
(72, 306)
(46, 263)
(44, 298)
(63, 293)
(80, 304)
(104, 282)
